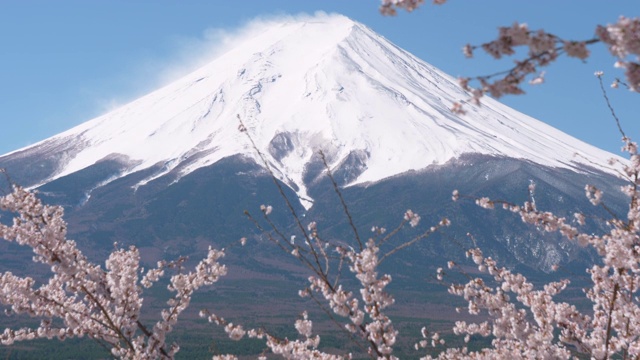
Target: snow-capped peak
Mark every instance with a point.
(323, 83)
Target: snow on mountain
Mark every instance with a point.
(324, 83)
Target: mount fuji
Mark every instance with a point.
(327, 83)
(170, 171)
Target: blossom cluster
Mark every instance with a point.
(360, 313)
(84, 299)
(389, 7)
(623, 39)
(526, 323)
(543, 48)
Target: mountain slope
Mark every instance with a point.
(327, 83)
(171, 174)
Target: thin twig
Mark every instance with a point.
(344, 205)
(409, 243)
(392, 233)
(613, 112)
(301, 257)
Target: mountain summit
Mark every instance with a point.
(323, 83)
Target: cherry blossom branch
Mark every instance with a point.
(365, 316)
(102, 304)
(622, 39)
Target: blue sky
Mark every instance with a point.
(65, 62)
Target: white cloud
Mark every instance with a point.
(187, 54)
